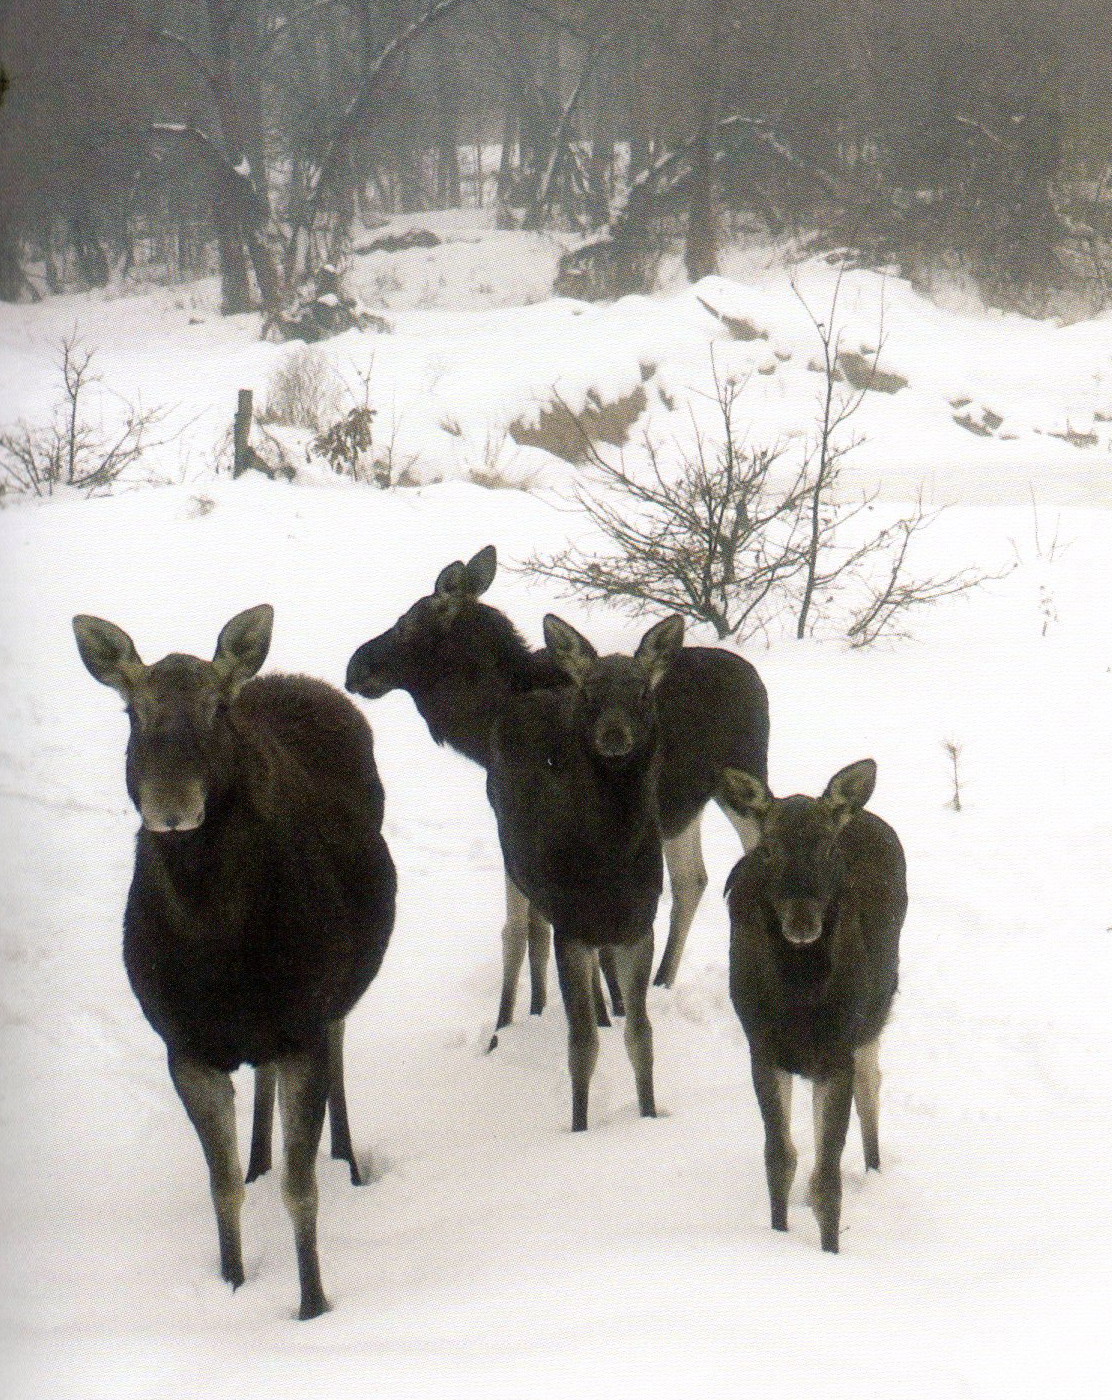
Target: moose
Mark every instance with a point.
(816, 909)
(463, 661)
(261, 903)
(572, 778)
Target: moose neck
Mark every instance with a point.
(806, 967)
(481, 664)
(628, 787)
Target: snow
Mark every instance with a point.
(494, 1253)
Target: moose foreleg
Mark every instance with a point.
(540, 941)
(832, 1101)
(338, 1126)
(774, 1097)
(634, 966)
(687, 877)
(576, 964)
(515, 941)
(866, 1098)
(209, 1100)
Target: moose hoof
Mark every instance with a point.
(313, 1307)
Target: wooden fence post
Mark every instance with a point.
(242, 431)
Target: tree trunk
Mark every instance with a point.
(235, 289)
(448, 192)
(11, 269)
(700, 254)
(245, 218)
(92, 264)
(506, 160)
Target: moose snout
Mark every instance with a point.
(361, 678)
(800, 920)
(172, 806)
(614, 737)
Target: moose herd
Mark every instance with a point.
(263, 893)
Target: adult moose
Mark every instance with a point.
(462, 661)
(262, 898)
(572, 780)
(816, 910)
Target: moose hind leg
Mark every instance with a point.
(774, 1098)
(515, 940)
(209, 1100)
(540, 940)
(634, 966)
(866, 1098)
(687, 876)
(832, 1101)
(262, 1122)
(613, 982)
(302, 1095)
(338, 1126)
(576, 965)
(602, 1016)
(749, 833)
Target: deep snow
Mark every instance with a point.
(494, 1253)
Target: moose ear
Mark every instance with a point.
(849, 789)
(451, 581)
(108, 653)
(745, 794)
(659, 647)
(570, 650)
(243, 645)
(480, 570)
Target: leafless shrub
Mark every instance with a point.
(891, 594)
(305, 391)
(715, 541)
(76, 450)
(498, 469)
(718, 541)
(877, 568)
(392, 466)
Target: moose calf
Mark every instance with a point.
(262, 898)
(815, 915)
(572, 780)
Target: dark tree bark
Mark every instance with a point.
(700, 254)
(92, 263)
(448, 192)
(11, 267)
(235, 284)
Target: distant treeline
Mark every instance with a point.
(173, 137)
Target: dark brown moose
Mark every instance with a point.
(462, 661)
(816, 910)
(262, 898)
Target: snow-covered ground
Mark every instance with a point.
(493, 1252)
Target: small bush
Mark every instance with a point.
(345, 443)
(304, 392)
